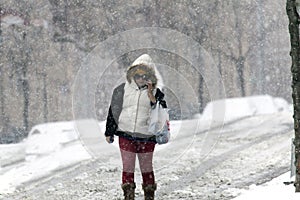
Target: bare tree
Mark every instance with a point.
(19, 62)
(3, 117)
(238, 49)
(295, 52)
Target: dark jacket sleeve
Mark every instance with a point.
(159, 96)
(114, 111)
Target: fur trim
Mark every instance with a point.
(145, 64)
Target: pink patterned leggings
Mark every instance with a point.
(144, 151)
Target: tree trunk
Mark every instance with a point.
(2, 113)
(295, 69)
(45, 98)
(240, 71)
(25, 84)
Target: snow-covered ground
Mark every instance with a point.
(204, 160)
(275, 189)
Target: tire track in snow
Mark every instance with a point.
(211, 163)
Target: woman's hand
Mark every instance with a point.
(150, 91)
(109, 139)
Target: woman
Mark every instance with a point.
(128, 118)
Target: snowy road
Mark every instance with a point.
(248, 151)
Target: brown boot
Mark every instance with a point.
(149, 191)
(128, 189)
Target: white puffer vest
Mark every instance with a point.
(135, 114)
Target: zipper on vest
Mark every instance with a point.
(137, 110)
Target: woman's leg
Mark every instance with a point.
(128, 154)
(145, 156)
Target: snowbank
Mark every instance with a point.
(274, 189)
(235, 108)
(11, 154)
(49, 137)
(34, 169)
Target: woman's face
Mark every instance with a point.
(140, 79)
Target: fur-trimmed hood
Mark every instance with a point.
(146, 64)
